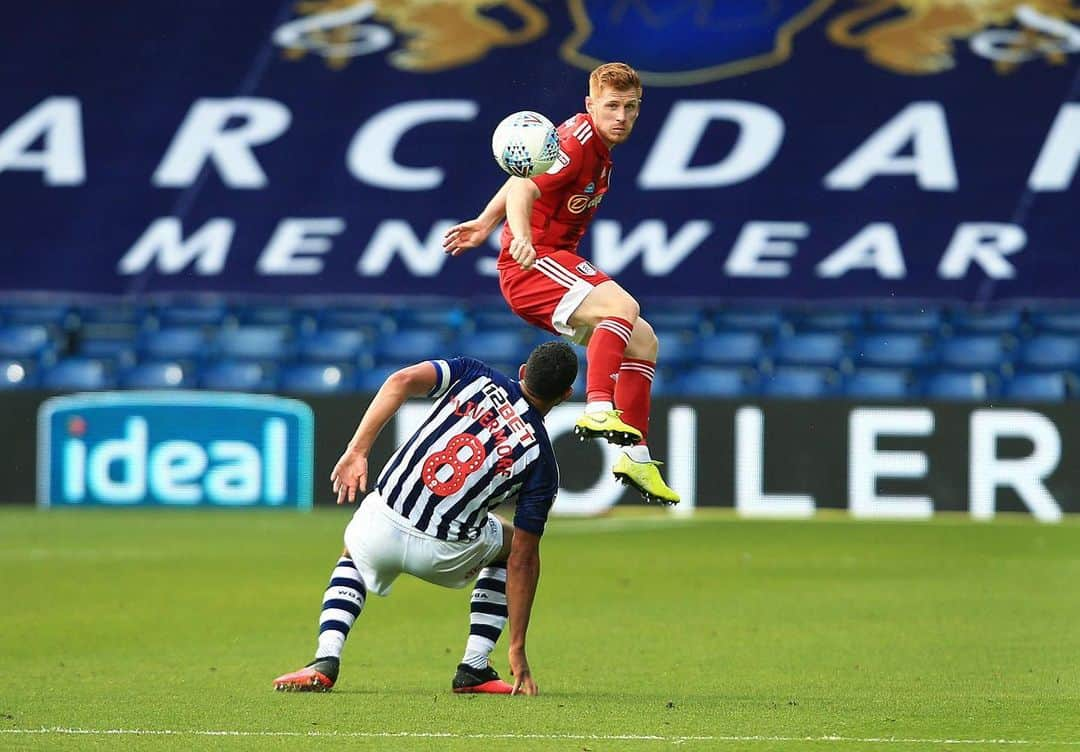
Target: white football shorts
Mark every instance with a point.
(383, 544)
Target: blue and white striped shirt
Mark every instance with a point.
(481, 445)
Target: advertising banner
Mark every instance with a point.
(174, 449)
(799, 149)
(764, 459)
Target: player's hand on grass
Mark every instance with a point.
(349, 475)
(522, 251)
(464, 236)
(523, 680)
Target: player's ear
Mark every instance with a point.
(568, 394)
(588, 104)
(521, 372)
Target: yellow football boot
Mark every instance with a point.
(645, 477)
(606, 424)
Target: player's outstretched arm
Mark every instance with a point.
(522, 575)
(350, 473)
(519, 205)
(467, 235)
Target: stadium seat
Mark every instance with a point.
(715, 381)
(26, 341)
(1050, 352)
(1066, 322)
(209, 313)
(413, 345)
(113, 340)
(162, 374)
(17, 374)
(677, 348)
(812, 349)
(491, 318)
(498, 345)
(335, 345)
(316, 378)
(824, 321)
(273, 343)
(1036, 387)
(690, 322)
(265, 315)
(368, 320)
(926, 320)
(973, 352)
(449, 318)
(78, 373)
(763, 321)
(898, 349)
(877, 383)
(238, 376)
(1002, 321)
(958, 385)
(798, 382)
(109, 313)
(57, 316)
(727, 348)
(174, 343)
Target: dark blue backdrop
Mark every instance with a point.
(119, 87)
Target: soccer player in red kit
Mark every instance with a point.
(549, 285)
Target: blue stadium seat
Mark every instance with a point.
(27, 341)
(926, 320)
(812, 349)
(413, 345)
(273, 343)
(740, 348)
(112, 340)
(369, 320)
(498, 345)
(265, 315)
(78, 373)
(1037, 387)
(1066, 322)
(825, 321)
(677, 348)
(691, 322)
(174, 343)
(447, 317)
(17, 374)
(335, 345)
(48, 314)
(1050, 352)
(1004, 321)
(973, 352)
(208, 313)
(898, 349)
(763, 321)
(159, 374)
(109, 313)
(958, 385)
(799, 382)
(238, 376)
(715, 381)
(492, 318)
(316, 378)
(878, 383)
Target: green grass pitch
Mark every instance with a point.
(165, 629)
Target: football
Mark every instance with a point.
(525, 144)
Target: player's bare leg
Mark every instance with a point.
(611, 313)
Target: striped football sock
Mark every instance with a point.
(487, 615)
(633, 393)
(603, 357)
(342, 603)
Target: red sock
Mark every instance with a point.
(633, 393)
(603, 356)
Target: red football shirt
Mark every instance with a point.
(570, 191)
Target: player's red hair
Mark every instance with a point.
(617, 76)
